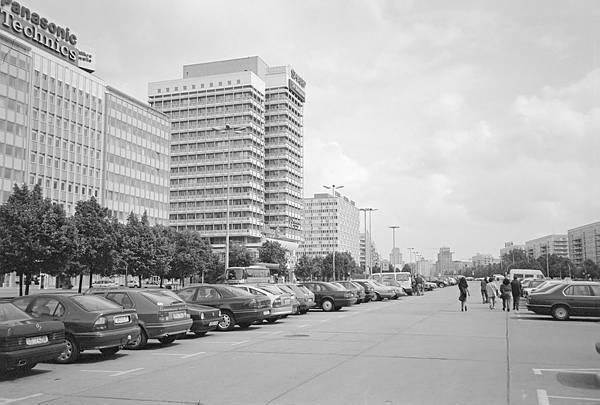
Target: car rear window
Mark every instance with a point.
(9, 312)
(162, 297)
(271, 288)
(94, 302)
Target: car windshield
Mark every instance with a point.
(336, 287)
(9, 312)
(273, 289)
(168, 293)
(94, 303)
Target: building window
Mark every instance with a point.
(158, 91)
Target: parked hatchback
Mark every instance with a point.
(24, 341)
(237, 307)
(574, 298)
(330, 297)
(91, 323)
(281, 302)
(161, 316)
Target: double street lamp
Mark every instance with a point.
(228, 130)
(368, 244)
(332, 188)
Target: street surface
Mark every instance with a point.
(416, 350)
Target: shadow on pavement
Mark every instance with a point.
(579, 380)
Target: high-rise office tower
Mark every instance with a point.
(236, 150)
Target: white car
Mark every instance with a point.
(281, 302)
(104, 284)
(532, 286)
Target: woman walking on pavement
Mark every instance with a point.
(463, 287)
(505, 294)
(492, 292)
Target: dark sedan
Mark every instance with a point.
(237, 307)
(330, 297)
(162, 314)
(91, 323)
(570, 298)
(357, 289)
(24, 341)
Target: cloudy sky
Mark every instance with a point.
(465, 123)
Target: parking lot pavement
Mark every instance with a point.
(416, 350)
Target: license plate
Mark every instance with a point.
(121, 319)
(266, 312)
(213, 323)
(178, 315)
(36, 340)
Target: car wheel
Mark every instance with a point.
(338, 308)
(140, 342)
(560, 313)
(110, 351)
(378, 297)
(71, 352)
(198, 334)
(167, 340)
(244, 325)
(228, 321)
(327, 306)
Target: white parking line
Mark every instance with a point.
(538, 371)
(575, 398)
(11, 400)
(228, 343)
(115, 373)
(542, 397)
(187, 356)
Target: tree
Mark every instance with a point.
(273, 252)
(137, 247)
(95, 241)
(239, 256)
(34, 235)
(193, 255)
(406, 268)
(164, 251)
(304, 268)
(590, 269)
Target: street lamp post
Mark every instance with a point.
(393, 228)
(228, 130)
(371, 244)
(410, 251)
(332, 188)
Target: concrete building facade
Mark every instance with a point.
(509, 247)
(584, 243)
(550, 244)
(330, 223)
(444, 263)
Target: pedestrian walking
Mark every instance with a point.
(463, 287)
(484, 296)
(516, 288)
(492, 292)
(505, 294)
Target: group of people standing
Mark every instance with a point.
(489, 291)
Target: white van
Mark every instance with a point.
(525, 273)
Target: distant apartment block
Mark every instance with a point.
(584, 243)
(482, 259)
(550, 244)
(509, 247)
(330, 223)
(396, 258)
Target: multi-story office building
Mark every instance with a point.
(63, 128)
(396, 258)
(584, 243)
(509, 247)
(482, 259)
(236, 147)
(369, 256)
(330, 223)
(550, 244)
(444, 263)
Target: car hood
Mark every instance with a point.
(28, 327)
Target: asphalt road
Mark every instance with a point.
(416, 350)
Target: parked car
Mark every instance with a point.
(570, 298)
(430, 286)
(281, 302)
(532, 285)
(396, 285)
(381, 291)
(237, 307)
(330, 297)
(24, 341)
(162, 315)
(305, 297)
(546, 285)
(369, 290)
(356, 288)
(91, 323)
(104, 284)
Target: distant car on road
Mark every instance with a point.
(330, 297)
(25, 341)
(91, 323)
(574, 298)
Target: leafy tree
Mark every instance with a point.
(34, 235)
(164, 251)
(406, 268)
(137, 247)
(239, 256)
(193, 255)
(95, 242)
(304, 268)
(590, 269)
(273, 252)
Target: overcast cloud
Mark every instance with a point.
(466, 123)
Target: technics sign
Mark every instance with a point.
(27, 24)
(298, 79)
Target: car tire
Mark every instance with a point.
(167, 340)
(71, 352)
(560, 313)
(228, 321)
(327, 305)
(140, 342)
(110, 351)
(378, 297)
(26, 369)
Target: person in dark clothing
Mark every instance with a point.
(484, 295)
(505, 294)
(516, 292)
(463, 287)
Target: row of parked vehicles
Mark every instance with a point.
(60, 326)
